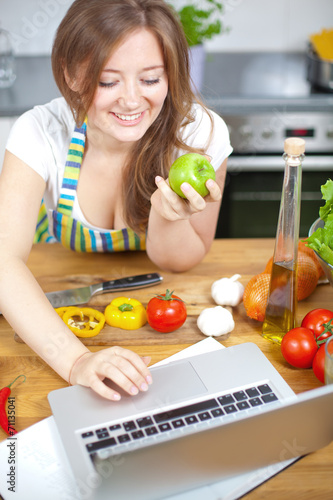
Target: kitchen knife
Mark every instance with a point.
(79, 296)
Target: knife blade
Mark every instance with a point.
(82, 295)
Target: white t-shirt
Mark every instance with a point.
(41, 138)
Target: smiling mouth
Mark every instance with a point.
(128, 118)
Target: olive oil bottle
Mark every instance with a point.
(282, 298)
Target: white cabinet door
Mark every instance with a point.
(5, 126)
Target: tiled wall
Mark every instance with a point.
(268, 25)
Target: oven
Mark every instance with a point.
(265, 98)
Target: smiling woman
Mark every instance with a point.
(97, 159)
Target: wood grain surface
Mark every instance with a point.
(56, 268)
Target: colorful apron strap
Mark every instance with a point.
(72, 170)
(42, 234)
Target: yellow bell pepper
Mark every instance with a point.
(83, 321)
(125, 313)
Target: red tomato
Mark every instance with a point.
(318, 364)
(166, 312)
(316, 319)
(299, 347)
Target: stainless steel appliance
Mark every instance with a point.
(265, 98)
(320, 71)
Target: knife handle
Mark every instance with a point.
(130, 282)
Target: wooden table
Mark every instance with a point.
(56, 268)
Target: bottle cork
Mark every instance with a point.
(294, 146)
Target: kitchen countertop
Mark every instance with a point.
(234, 83)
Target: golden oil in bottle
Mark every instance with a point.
(281, 308)
(282, 297)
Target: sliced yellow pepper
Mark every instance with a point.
(83, 321)
(61, 310)
(125, 313)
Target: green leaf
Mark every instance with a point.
(201, 20)
(327, 192)
(322, 241)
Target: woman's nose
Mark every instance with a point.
(131, 95)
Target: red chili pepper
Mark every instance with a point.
(4, 395)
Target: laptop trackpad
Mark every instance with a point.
(172, 383)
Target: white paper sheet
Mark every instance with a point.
(41, 470)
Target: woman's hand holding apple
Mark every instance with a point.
(190, 185)
(172, 207)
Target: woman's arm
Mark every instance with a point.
(180, 232)
(26, 307)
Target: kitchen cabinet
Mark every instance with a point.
(251, 202)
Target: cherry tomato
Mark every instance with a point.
(166, 312)
(299, 347)
(318, 364)
(316, 319)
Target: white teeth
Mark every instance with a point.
(128, 118)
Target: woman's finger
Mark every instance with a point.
(167, 203)
(215, 193)
(103, 390)
(196, 202)
(123, 373)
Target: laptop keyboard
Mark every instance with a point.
(154, 424)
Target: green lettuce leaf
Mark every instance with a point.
(327, 192)
(322, 239)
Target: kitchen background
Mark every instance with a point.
(256, 25)
(255, 77)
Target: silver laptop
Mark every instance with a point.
(204, 419)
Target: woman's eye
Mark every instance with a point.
(107, 84)
(149, 82)
(152, 82)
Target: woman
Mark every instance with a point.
(99, 160)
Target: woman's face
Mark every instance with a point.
(132, 89)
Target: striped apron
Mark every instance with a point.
(61, 226)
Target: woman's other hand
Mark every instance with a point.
(172, 207)
(124, 367)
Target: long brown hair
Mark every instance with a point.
(86, 37)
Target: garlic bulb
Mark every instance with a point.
(228, 291)
(216, 321)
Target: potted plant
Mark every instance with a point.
(201, 21)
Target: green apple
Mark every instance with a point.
(194, 169)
